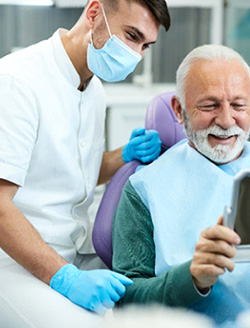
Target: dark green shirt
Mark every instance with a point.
(134, 256)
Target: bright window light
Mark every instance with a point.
(27, 2)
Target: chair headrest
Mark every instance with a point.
(161, 117)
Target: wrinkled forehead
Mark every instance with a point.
(220, 76)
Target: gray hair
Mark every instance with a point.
(207, 52)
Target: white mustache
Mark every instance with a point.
(223, 133)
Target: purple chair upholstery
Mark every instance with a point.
(160, 117)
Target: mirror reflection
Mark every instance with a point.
(242, 221)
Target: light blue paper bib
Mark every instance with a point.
(186, 193)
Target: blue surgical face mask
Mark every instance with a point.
(114, 61)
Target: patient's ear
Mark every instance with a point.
(176, 106)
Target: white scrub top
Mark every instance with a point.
(52, 139)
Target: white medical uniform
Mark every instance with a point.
(52, 139)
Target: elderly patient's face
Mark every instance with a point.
(217, 116)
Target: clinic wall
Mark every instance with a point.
(21, 26)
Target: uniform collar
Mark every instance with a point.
(63, 61)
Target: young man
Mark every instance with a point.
(165, 235)
(52, 110)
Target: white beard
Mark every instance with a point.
(220, 153)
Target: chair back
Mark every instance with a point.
(160, 117)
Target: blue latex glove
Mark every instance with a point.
(95, 290)
(144, 145)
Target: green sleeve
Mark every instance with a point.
(134, 256)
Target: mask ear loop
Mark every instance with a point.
(91, 39)
(106, 21)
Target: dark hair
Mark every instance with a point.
(158, 9)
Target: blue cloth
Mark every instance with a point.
(186, 193)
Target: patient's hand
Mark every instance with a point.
(213, 255)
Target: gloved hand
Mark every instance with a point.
(95, 290)
(144, 145)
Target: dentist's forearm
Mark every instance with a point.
(111, 162)
(20, 240)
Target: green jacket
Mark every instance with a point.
(134, 256)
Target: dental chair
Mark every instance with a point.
(159, 116)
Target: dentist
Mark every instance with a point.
(52, 113)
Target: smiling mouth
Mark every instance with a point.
(223, 137)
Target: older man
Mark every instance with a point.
(166, 236)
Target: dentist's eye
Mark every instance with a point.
(145, 46)
(131, 36)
